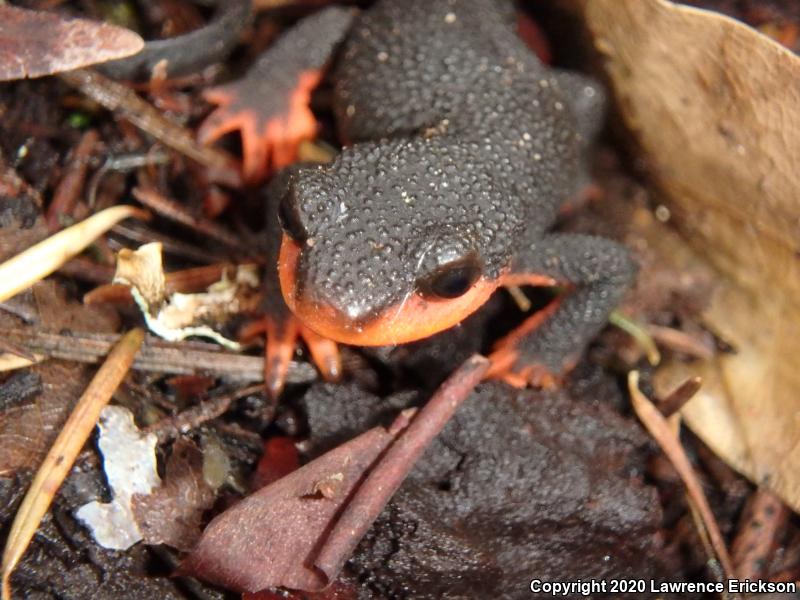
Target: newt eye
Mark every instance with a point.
(290, 220)
(452, 280)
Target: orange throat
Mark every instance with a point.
(416, 318)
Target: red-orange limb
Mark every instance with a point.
(505, 356)
(282, 337)
(278, 351)
(269, 142)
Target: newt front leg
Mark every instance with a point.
(596, 272)
(270, 105)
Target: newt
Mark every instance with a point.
(460, 147)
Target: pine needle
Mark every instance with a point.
(38, 261)
(638, 333)
(65, 449)
(670, 444)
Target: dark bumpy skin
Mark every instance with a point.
(464, 147)
(520, 484)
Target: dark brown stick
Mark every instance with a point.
(71, 185)
(120, 98)
(159, 356)
(170, 209)
(680, 396)
(169, 428)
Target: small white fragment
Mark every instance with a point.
(129, 461)
(450, 18)
(663, 213)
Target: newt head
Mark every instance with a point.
(378, 250)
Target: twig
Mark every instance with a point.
(144, 235)
(9, 347)
(69, 188)
(659, 428)
(680, 341)
(158, 356)
(65, 449)
(680, 396)
(390, 471)
(166, 207)
(118, 97)
(170, 428)
(519, 297)
(638, 333)
(123, 163)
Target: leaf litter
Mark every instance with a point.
(714, 107)
(62, 454)
(677, 345)
(178, 316)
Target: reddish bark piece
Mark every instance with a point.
(34, 44)
(279, 459)
(299, 531)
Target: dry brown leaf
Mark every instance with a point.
(31, 417)
(142, 269)
(272, 537)
(172, 513)
(299, 531)
(715, 108)
(33, 43)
